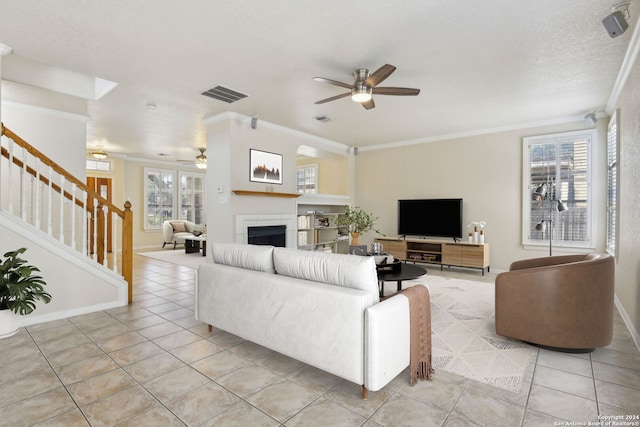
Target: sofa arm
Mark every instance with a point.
(387, 341)
(167, 232)
(545, 261)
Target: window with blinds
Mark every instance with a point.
(612, 183)
(557, 169)
(307, 179)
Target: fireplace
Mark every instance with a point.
(289, 221)
(274, 235)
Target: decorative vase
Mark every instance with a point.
(8, 323)
(470, 237)
(481, 237)
(475, 234)
(355, 238)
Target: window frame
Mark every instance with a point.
(163, 172)
(92, 165)
(527, 190)
(182, 193)
(305, 168)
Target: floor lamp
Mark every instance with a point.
(542, 192)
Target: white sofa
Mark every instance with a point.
(322, 309)
(172, 231)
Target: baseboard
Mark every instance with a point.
(627, 321)
(33, 319)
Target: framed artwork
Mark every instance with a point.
(265, 167)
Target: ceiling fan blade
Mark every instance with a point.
(333, 82)
(333, 98)
(368, 105)
(379, 75)
(402, 91)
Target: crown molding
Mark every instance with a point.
(477, 132)
(326, 144)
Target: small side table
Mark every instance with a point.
(195, 243)
(406, 272)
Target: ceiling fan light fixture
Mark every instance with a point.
(201, 164)
(201, 160)
(361, 93)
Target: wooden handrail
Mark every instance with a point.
(31, 171)
(60, 170)
(126, 214)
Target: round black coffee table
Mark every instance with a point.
(406, 272)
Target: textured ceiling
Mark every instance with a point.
(479, 65)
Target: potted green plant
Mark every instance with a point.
(357, 221)
(19, 290)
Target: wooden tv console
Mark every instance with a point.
(452, 254)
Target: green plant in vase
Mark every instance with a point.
(357, 221)
(20, 288)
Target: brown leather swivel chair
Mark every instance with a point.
(561, 302)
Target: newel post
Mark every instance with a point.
(127, 247)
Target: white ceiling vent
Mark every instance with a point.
(224, 94)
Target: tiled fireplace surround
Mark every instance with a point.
(243, 222)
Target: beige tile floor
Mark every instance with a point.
(152, 364)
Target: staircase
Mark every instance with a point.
(50, 202)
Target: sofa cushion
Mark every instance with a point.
(252, 257)
(178, 226)
(350, 271)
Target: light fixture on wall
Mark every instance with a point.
(201, 159)
(590, 119)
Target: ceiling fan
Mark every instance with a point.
(365, 85)
(200, 161)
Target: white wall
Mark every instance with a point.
(229, 139)
(77, 286)
(485, 171)
(54, 124)
(628, 256)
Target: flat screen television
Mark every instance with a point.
(430, 217)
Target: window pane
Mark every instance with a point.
(160, 196)
(307, 179)
(191, 197)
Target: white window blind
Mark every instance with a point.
(561, 164)
(612, 183)
(307, 179)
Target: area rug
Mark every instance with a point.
(177, 256)
(464, 338)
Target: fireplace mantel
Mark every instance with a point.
(266, 194)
